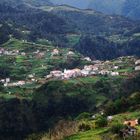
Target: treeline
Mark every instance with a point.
(100, 48)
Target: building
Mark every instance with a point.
(131, 123)
(87, 59)
(114, 73)
(137, 62)
(137, 68)
(55, 52)
(70, 53)
(104, 72)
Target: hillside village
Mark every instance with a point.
(96, 67)
(30, 68)
(107, 68)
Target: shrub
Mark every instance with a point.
(84, 126)
(101, 121)
(84, 115)
(115, 128)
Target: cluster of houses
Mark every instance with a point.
(88, 70)
(14, 84)
(97, 68)
(13, 52)
(7, 83)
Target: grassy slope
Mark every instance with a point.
(96, 134)
(89, 135)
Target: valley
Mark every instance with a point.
(68, 73)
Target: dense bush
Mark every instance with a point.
(84, 115)
(84, 126)
(101, 121)
(115, 128)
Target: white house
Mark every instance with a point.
(115, 67)
(56, 74)
(55, 52)
(87, 59)
(137, 68)
(109, 118)
(7, 80)
(104, 72)
(137, 62)
(70, 53)
(85, 72)
(114, 73)
(23, 53)
(88, 68)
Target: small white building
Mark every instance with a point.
(70, 53)
(55, 52)
(104, 72)
(30, 75)
(137, 62)
(137, 68)
(114, 73)
(85, 72)
(109, 118)
(23, 53)
(56, 74)
(115, 67)
(87, 59)
(7, 80)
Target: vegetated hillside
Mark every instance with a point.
(64, 25)
(92, 22)
(107, 6)
(22, 59)
(40, 24)
(55, 99)
(100, 34)
(14, 3)
(106, 48)
(127, 8)
(62, 99)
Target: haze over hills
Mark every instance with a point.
(128, 8)
(83, 4)
(27, 2)
(107, 6)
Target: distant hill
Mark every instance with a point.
(131, 9)
(27, 2)
(65, 25)
(107, 6)
(128, 8)
(83, 4)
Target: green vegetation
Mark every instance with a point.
(89, 135)
(32, 104)
(27, 62)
